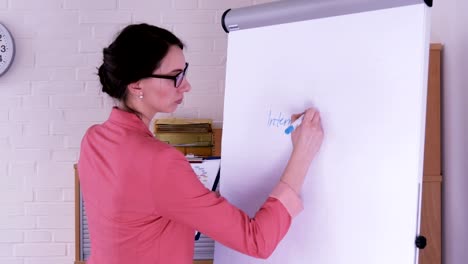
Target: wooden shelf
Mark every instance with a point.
(431, 224)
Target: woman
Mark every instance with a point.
(143, 200)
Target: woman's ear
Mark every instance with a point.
(134, 89)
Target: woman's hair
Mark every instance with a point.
(134, 54)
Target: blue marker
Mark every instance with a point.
(294, 125)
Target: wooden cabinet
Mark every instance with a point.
(431, 224)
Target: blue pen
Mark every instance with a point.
(294, 125)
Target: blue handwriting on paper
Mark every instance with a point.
(278, 120)
(201, 173)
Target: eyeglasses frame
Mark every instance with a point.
(174, 77)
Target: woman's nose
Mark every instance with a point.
(185, 87)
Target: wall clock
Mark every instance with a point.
(7, 49)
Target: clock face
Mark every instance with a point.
(7, 49)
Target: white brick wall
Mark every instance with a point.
(51, 95)
(37, 236)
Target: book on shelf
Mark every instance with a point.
(175, 125)
(190, 136)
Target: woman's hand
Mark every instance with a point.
(308, 136)
(307, 139)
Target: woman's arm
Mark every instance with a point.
(180, 196)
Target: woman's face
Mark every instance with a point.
(161, 95)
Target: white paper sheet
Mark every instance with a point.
(367, 75)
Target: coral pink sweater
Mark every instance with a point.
(144, 202)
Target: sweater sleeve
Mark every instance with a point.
(180, 196)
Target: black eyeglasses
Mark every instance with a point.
(177, 78)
